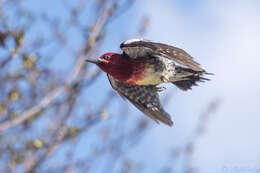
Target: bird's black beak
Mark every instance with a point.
(93, 61)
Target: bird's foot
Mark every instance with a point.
(165, 79)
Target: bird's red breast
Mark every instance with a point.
(139, 69)
(124, 69)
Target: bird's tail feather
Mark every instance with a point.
(188, 78)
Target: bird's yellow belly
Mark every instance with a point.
(150, 78)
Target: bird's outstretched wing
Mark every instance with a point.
(145, 98)
(136, 48)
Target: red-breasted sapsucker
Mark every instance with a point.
(142, 66)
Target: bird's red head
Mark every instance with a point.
(108, 59)
(115, 65)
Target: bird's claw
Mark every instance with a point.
(164, 79)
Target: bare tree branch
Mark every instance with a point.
(58, 91)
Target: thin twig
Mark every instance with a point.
(58, 91)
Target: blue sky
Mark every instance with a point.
(224, 36)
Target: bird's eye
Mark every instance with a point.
(106, 57)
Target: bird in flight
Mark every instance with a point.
(143, 65)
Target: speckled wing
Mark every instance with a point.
(136, 48)
(145, 98)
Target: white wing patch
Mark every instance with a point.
(133, 40)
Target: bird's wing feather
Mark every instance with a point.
(145, 98)
(136, 48)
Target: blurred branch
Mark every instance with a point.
(60, 133)
(58, 91)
